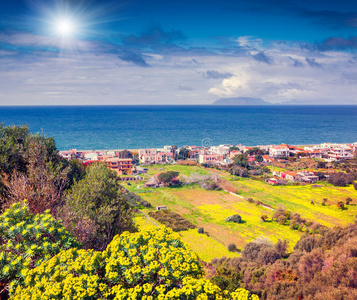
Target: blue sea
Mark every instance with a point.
(134, 127)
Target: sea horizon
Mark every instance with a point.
(153, 126)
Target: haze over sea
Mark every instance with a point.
(134, 127)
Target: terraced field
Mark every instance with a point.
(209, 209)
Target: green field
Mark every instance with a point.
(209, 209)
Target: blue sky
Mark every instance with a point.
(177, 52)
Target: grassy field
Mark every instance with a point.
(298, 199)
(184, 170)
(209, 209)
(206, 247)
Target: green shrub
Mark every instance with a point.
(201, 230)
(172, 220)
(235, 218)
(232, 247)
(27, 240)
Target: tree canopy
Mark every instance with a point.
(95, 209)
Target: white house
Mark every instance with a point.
(279, 151)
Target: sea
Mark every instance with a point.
(135, 127)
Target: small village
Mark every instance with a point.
(130, 165)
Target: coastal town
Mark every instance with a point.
(130, 164)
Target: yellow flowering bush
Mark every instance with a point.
(26, 240)
(151, 264)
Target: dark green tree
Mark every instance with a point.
(259, 158)
(125, 154)
(168, 176)
(95, 209)
(184, 153)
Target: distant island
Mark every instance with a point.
(241, 101)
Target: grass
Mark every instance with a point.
(298, 199)
(206, 247)
(209, 209)
(184, 170)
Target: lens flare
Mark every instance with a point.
(65, 28)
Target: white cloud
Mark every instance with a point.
(91, 74)
(248, 41)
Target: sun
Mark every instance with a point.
(65, 27)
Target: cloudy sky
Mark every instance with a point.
(84, 52)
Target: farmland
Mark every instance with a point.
(209, 209)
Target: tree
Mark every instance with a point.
(259, 158)
(168, 176)
(234, 148)
(95, 209)
(184, 153)
(125, 154)
(45, 178)
(241, 161)
(321, 165)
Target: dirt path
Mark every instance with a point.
(148, 218)
(239, 196)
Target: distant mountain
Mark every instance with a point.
(240, 101)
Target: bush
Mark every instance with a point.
(26, 240)
(355, 185)
(235, 218)
(341, 179)
(250, 200)
(263, 218)
(152, 264)
(348, 200)
(232, 248)
(135, 200)
(172, 220)
(210, 185)
(201, 230)
(340, 205)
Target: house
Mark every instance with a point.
(195, 151)
(267, 159)
(153, 181)
(161, 207)
(211, 159)
(221, 149)
(90, 156)
(289, 175)
(340, 153)
(71, 154)
(131, 178)
(280, 151)
(234, 153)
(151, 156)
(315, 154)
(275, 181)
(119, 165)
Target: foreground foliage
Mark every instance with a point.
(321, 267)
(152, 264)
(26, 241)
(95, 209)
